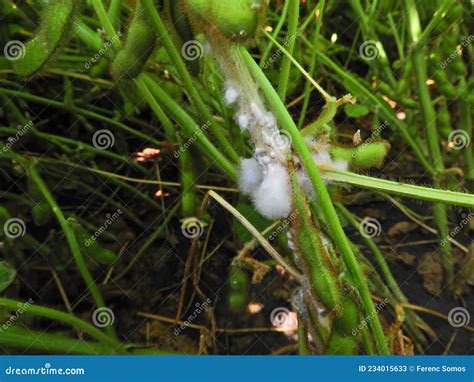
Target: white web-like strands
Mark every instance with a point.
(264, 177)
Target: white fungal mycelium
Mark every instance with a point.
(264, 177)
(273, 197)
(250, 176)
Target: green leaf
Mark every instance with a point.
(7, 275)
(355, 111)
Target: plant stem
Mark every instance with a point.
(369, 33)
(81, 113)
(192, 129)
(429, 120)
(35, 310)
(400, 189)
(293, 17)
(106, 22)
(318, 12)
(323, 197)
(384, 109)
(268, 48)
(193, 93)
(69, 234)
(52, 343)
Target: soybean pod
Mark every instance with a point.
(238, 289)
(189, 199)
(365, 156)
(138, 46)
(344, 335)
(315, 259)
(237, 20)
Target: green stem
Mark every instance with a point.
(156, 108)
(384, 109)
(465, 121)
(293, 17)
(323, 197)
(370, 33)
(52, 343)
(81, 113)
(193, 93)
(53, 314)
(56, 139)
(391, 282)
(69, 234)
(307, 90)
(106, 22)
(281, 22)
(192, 129)
(401, 189)
(428, 115)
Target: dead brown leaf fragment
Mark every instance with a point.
(431, 271)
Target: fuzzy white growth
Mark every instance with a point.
(243, 119)
(340, 164)
(305, 184)
(257, 112)
(231, 94)
(272, 198)
(325, 240)
(269, 120)
(322, 158)
(250, 176)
